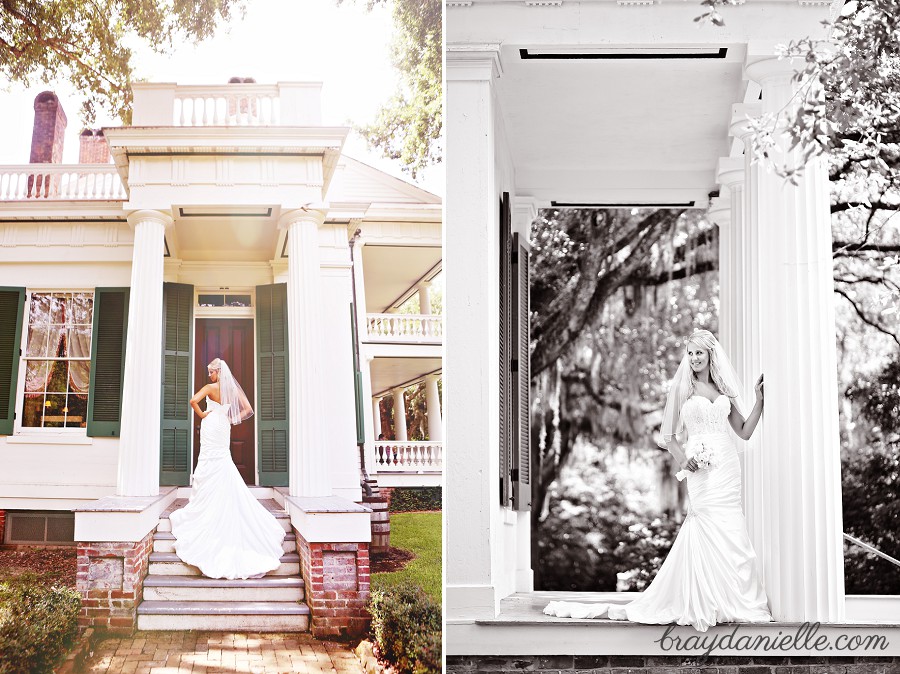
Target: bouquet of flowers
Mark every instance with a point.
(699, 451)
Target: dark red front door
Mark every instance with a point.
(232, 340)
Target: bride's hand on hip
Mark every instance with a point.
(759, 388)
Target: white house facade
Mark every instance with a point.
(229, 224)
(604, 103)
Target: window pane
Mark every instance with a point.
(78, 342)
(33, 410)
(54, 411)
(82, 309)
(237, 300)
(58, 381)
(36, 345)
(76, 413)
(58, 308)
(40, 309)
(79, 376)
(211, 300)
(36, 373)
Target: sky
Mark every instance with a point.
(344, 47)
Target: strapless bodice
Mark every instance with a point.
(702, 416)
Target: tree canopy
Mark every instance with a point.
(86, 42)
(408, 127)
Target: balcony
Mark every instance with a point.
(54, 182)
(236, 104)
(405, 328)
(409, 463)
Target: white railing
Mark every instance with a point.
(405, 328)
(60, 182)
(236, 104)
(409, 456)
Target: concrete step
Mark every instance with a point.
(200, 589)
(238, 616)
(168, 564)
(164, 541)
(165, 524)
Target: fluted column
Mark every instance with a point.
(425, 298)
(138, 472)
(399, 415)
(308, 460)
(801, 492)
(719, 213)
(433, 408)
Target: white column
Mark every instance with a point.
(433, 408)
(307, 459)
(474, 526)
(399, 415)
(138, 473)
(371, 422)
(425, 298)
(803, 558)
(376, 417)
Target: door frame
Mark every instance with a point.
(242, 313)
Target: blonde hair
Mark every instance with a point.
(706, 340)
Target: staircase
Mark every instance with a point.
(178, 597)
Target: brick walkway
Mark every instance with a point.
(225, 652)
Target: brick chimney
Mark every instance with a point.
(49, 130)
(93, 148)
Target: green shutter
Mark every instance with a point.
(357, 380)
(505, 337)
(12, 306)
(272, 374)
(178, 335)
(521, 389)
(108, 334)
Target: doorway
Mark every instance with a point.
(232, 340)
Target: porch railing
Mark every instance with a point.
(405, 328)
(409, 456)
(58, 182)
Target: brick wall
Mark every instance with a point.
(629, 664)
(336, 576)
(93, 148)
(49, 129)
(110, 579)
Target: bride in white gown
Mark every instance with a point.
(710, 575)
(224, 530)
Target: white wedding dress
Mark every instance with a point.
(223, 530)
(710, 575)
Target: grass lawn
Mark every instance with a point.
(421, 534)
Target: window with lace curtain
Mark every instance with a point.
(57, 357)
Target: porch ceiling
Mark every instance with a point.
(390, 372)
(238, 233)
(620, 131)
(390, 271)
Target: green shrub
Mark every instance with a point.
(38, 624)
(406, 624)
(408, 499)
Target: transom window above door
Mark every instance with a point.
(224, 300)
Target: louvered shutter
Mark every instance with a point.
(521, 371)
(272, 369)
(108, 337)
(505, 341)
(12, 314)
(178, 335)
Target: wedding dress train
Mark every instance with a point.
(710, 575)
(224, 530)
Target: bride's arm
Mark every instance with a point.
(198, 396)
(676, 450)
(745, 427)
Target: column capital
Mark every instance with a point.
(433, 376)
(398, 390)
(720, 210)
(149, 215)
(424, 284)
(730, 171)
(467, 61)
(763, 63)
(315, 213)
(525, 210)
(741, 114)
